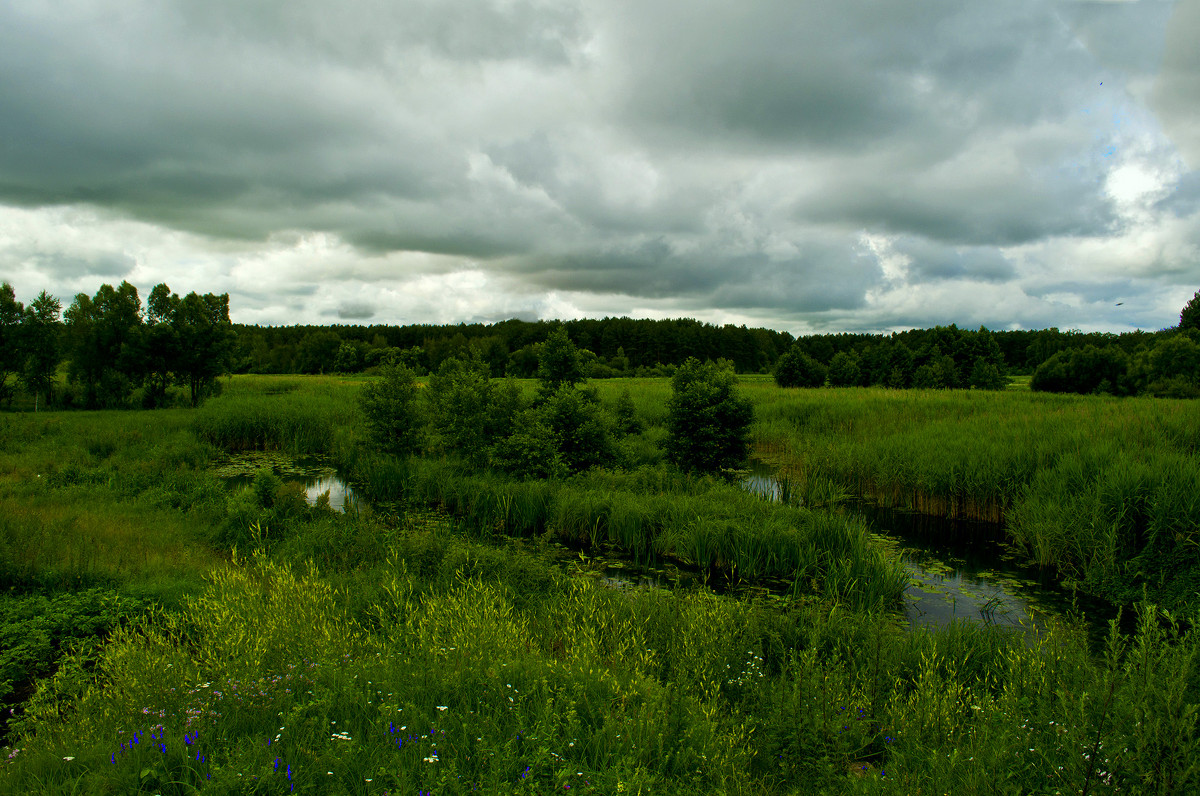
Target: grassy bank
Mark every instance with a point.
(1107, 491)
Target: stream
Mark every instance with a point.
(959, 570)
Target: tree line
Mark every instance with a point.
(1165, 363)
(119, 353)
(609, 347)
(113, 347)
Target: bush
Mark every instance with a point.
(708, 422)
(581, 428)
(1081, 370)
(393, 417)
(844, 370)
(531, 451)
(469, 411)
(797, 369)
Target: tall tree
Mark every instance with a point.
(40, 333)
(12, 352)
(558, 362)
(158, 349)
(1189, 318)
(101, 340)
(205, 338)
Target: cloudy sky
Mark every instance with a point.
(827, 165)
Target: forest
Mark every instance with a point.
(117, 354)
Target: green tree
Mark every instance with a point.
(1189, 318)
(844, 370)
(349, 357)
(318, 351)
(158, 347)
(40, 333)
(393, 412)
(12, 352)
(708, 424)
(797, 369)
(558, 362)
(986, 375)
(102, 340)
(583, 431)
(468, 411)
(205, 339)
(531, 451)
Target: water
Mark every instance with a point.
(960, 570)
(314, 474)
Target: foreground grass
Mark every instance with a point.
(478, 669)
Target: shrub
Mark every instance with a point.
(1081, 370)
(469, 411)
(708, 422)
(393, 416)
(797, 369)
(844, 370)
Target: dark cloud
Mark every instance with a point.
(355, 311)
(930, 261)
(690, 155)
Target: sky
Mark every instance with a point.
(817, 166)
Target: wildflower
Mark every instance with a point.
(68, 759)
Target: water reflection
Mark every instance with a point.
(314, 474)
(960, 569)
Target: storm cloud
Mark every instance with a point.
(819, 166)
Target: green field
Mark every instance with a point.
(166, 633)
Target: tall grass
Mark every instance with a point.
(298, 416)
(657, 513)
(1102, 489)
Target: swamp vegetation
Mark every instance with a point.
(165, 632)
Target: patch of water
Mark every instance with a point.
(315, 475)
(960, 570)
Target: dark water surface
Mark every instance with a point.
(315, 475)
(959, 570)
(962, 570)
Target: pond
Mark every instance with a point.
(315, 475)
(960, 569)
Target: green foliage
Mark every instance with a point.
(1168, 369)
(395, 422)
(205, 342)
(1189, 317)
(844, 370)
(37, 629)
(797, 369)
(987, 375)
(581, 428)
(1082, 370)
(558, 362)
(40, 339)
(709, 421)
(102, 344)
(625, 414)
(531, 451)
(12, 352)
(468, 411)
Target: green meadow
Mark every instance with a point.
(167, 632)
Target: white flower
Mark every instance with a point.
(440, 707)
